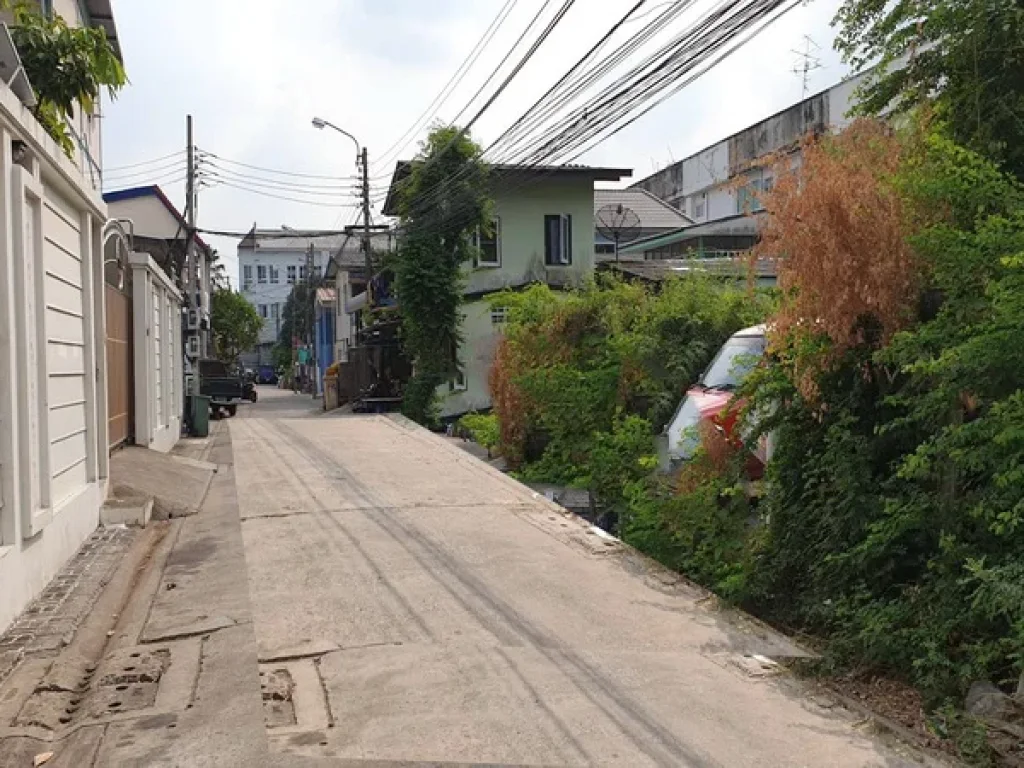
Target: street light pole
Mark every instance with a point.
(362, 158)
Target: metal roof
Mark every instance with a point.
(657, 270)
(403, 168)
(739, 224)
(655, 214)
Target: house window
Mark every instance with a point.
(275, 275)
(457, 383)
(302, 272)
(700, 207)
(261, 275)
(499, 315)
(246, 277)
(274, 309)
(291, 274)
(263, 311)
(489, 245)
(558, 239)
(317, 270)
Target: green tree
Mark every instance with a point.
(296, 318)
(67, 66)
(235, 325)
(442, 204)
(965, 55)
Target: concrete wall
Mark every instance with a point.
(476, 357)
(53, 403)
(158, 359)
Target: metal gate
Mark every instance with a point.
(120, 379)
(117, 244)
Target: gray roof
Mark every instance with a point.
(654, 214)
(347, 248)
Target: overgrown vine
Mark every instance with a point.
(442, 205)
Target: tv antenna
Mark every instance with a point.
(809, 62)
(619, 224)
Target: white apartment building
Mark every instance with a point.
(270, 263)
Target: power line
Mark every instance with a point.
(206, 153)
(277, 182)
(218, 177)
(144, 162)
(452, 83)
(252, 191)
(177, 165)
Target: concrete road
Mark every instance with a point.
(412, 605)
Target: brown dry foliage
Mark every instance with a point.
(837, 226)
(508, 403)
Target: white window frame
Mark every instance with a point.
(275, 275)
(292, 271)
(478, 241)
(262, 308)
(499, 315)
(261, 274)
(246, 276)
(458, 382)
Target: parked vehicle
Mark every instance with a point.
(223, 386)
(266, 374)
(711, 401)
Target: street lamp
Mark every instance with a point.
(319, 123)
(361, 157)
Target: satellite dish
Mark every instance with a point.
(619, 224)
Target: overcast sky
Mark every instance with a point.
(253, 73)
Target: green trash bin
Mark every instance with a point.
(200, 415)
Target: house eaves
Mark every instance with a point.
(518, 173)
(101, 15)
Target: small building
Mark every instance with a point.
(654, 217)
(718, 238)
(159, 229)
(543, 233)
(737, 267)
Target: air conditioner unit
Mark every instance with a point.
(193, 347)
(192, 322)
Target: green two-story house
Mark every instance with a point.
(543, 233)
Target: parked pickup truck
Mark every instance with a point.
(224, 387)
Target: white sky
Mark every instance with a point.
(254, 72)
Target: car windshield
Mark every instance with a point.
(734, 361)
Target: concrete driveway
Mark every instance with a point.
(413, 605)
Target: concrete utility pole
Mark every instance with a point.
(310, 316)
(192, 366)
(367, 253)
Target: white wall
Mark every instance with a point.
(53, 419)
(476, 355)
(268, 294)
(156, 309)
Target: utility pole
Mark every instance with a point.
(311, 316)
(366, 222)
(191, 364)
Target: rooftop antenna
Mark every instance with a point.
(809, 62)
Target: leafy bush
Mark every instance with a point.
(583, 380)
(483, 428)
